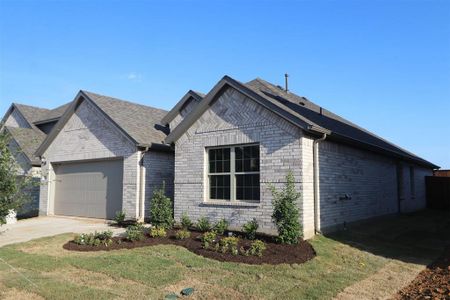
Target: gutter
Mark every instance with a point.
(316, 181)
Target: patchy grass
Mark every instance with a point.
(343, 261)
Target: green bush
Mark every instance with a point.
(229, 244)
(161, 212)
(182, 234)
(94, 239)
(186, 222)
(285, 212)
(135, 233)
(119, 218)
(257, 248)
(221, 226)
(250, 229)
(158, 232)
(208, 239)
(203, 224)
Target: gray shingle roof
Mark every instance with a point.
(28, 139)
(141, 122)
(32, 113)
(53, 114)
(326, 119)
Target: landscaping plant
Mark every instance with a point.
(186, 222)
(208, 239)
(161, 212)
(229, 244)
(135, 233)
(203, 224)
(257, 248)
(13, 188)
(119, 218)
(158, 232)
(221, 226)
(182, 234)
(94, 239)
(250, 229)
(285, 212)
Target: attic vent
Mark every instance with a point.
(280, 87)
(302, 103)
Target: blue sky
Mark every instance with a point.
(384, 65)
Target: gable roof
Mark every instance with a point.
(52, 114)
(140, 123)
(28, 139)
(190, 95)
(302, 113)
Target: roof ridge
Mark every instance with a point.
(122, 100)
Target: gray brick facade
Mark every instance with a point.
(235, 119)
(15, 119)
(88, 135)
(354, 184)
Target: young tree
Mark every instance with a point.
(161, 212)
(285, 211)
(12, 186)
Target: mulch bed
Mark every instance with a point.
(431, 283)
(274, 254)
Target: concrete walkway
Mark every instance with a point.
(30, 229)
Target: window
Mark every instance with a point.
(233, 173)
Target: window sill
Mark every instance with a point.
(230, 204)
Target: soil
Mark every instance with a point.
(431, 283)
(274, 254)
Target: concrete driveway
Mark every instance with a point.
(30, 229)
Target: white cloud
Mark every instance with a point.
(134, 76)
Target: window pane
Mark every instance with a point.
(219, 186)
(247, 187)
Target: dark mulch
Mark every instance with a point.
(431, 283)
(274, 254)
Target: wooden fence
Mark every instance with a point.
(438, 192)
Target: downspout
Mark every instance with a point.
(142, 185)
(316, 181)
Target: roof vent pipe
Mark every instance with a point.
(286, 82)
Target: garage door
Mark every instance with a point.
(89, 189)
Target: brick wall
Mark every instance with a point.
(89, 135)
(235, 119)
(185, 110)
(159, 168)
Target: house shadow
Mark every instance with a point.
(418, 237)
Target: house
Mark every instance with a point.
(28, 127)
(104, 155)
(240, 138)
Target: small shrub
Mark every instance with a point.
(243, 251)
(161, 213)
(94, 239)
(158, 232)
(186, 222)
(135, 233)
(183, 234)
(250, 229)
(221, 226)
(119, 218)
(285, 212)
(229, 244)
(208, 239)
(203, 224)
(257, 248)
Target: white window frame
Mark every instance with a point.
(232, 174)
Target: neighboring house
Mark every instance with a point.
(28, 127)
(104, 155)
(441, 173)
(243, 137)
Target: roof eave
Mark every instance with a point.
(176, 109)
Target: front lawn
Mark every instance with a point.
(153, 272)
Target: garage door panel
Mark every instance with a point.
(89, 189)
